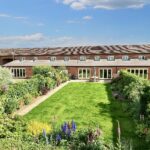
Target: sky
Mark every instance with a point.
(55, 23)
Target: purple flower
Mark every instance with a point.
(69, 132)
(73, 126)
(64, 127)
(58, 138)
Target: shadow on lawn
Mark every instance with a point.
(108, 110)
(114, 110)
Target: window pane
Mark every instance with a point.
(141, 73)
(17, 72)
(132, 71)
(137, 72)
(109, 73)
(111, 58)
(105, 73)
(24, 73)
(145, 74)
(21, 72)
(101, 73)
(88, 73)
(82, 58)
(97, 58)
(80, 73)
(125, 58)
(66, 58)
(84, 73)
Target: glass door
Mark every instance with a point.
(84, 73)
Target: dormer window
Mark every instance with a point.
(52, 58)
(22, 59)
(97, 58)
(141, 57)
(125, 58)
(82, 58)
(111, 58)
(35, 58)
(66, 58)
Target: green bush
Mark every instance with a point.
(136, 92)
(45, 71)
(5, 79)
(27, 99)
(44, 79)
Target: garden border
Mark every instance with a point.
(25, 109)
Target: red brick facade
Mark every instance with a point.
(74, 53)
(74, 70)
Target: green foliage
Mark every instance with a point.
(5, 79)
(18, 92)
(45, 71)
(136, 91)
(22, 93)
(27, 99)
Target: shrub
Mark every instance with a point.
(45, 71)
(27, 99)
(5, 79)
(35, 128)
(136, 91)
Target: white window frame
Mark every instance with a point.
(139, 69)
(35, 58)
(111, 58)
(82, 58)
(22, 58)
(142, 57)
(66, 58)
(125, 58)
(82, 73)
(53, 58)
(96, 58)
(107, 73)
(20, 76)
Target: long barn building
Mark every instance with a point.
(85, 62)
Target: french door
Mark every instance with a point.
(105, 73)
(84, 73)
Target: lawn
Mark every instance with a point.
(89, 105)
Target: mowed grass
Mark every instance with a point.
(89, 105)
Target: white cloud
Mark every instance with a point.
(77, 5)
(22, 38)
(40, 24)
(4, 15)
(20, 18)
(41, 40)
(105, 4)
(87, 18)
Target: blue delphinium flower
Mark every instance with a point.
(58, 138)
(64, 127)
(73, 125)
(69, 132)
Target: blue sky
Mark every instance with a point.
(52, 23)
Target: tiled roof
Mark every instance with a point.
(87, 63)
(82, 50)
